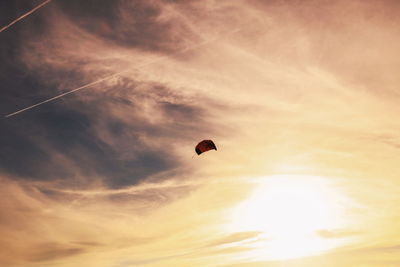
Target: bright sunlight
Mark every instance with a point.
(290, 212)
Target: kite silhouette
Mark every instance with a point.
(204, 146)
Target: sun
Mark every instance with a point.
(289, 211)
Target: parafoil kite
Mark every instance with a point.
(204, 146)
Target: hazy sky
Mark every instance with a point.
(300, 97)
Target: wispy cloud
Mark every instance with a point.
(105, 176)
(24, 15)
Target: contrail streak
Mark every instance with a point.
(118, 73)
(25, 15)
(64, 94)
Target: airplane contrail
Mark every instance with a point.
(118, 73)
(64, 94)
(25, 15)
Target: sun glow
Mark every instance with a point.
(290, 211)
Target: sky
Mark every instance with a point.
(300, 97)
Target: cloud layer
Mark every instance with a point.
(104, 176)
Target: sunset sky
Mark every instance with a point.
(302, 99)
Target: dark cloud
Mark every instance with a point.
(62, 141)
(53, 251)
(129, 23)
(76, 141)
(10, 10)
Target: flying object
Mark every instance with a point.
(204, 146)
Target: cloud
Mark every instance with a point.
(41, 226)
(236, 237)
(24, 15)
(52, 253)
(107, 173)
(120, 132)
(336, 233)
(144, 25)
